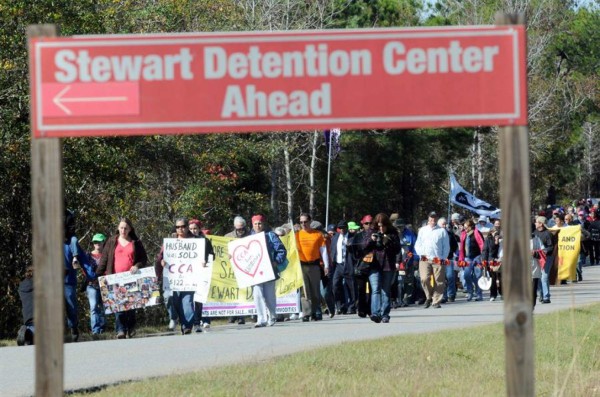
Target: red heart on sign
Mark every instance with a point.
(248, 257)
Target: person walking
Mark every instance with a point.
(239, 231)
(491, 258)
(265, 298)
(92, 291)
(383, 241)
(311, 251)
(547, 240)
(433, 247)
(123, 252)
(469, 256)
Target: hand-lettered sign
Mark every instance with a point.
(250, 260)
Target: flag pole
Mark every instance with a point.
(449, 195)
(328, 181)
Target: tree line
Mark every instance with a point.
(214, 177)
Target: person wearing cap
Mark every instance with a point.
(457, 221)
(433, 247)
(548, 241)
(97, 319)
(331, 230)
(343, 270)
(483, 225)
(312, 250)
(264, 295)
(239, 231)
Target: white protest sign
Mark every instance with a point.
(203, 278)
(250, 260)
(183, 258)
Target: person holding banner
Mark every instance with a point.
(239, 231)
(195, 227)
(123, 252)
(265, 298)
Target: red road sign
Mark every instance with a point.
(264, 81)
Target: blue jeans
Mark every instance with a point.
(125, 321)
(381, 292)
(545, 281)
(97, 319)
(168, 296)
(327, 292)
(450, 290)
(472, 274)
(183, 302)
(580, 265)
(71, 306)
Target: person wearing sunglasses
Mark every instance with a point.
(312, 250)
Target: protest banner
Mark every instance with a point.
(125, 291)
(183, 259)
(227, 299)
(569, 245)
(250, 260)
(203, 280)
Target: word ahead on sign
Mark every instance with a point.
(264, 81)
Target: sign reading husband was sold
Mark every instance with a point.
(264, 81)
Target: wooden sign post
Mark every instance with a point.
(515, 203)
(48, 258)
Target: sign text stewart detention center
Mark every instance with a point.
(271, 81)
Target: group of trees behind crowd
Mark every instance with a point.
(214, 177)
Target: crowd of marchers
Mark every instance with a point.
(366, 268)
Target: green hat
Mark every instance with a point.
(98, 238)
(353, 226)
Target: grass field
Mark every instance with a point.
(467, 362)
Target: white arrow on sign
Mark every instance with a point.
(59, 100)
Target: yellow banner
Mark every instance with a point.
(569, 244)
(226, 299)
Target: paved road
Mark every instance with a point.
(164, 355)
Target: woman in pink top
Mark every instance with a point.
(123, 252)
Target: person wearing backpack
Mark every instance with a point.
(265, 298)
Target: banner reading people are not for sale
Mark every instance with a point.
(227, 299)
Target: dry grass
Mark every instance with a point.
(451, 363)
